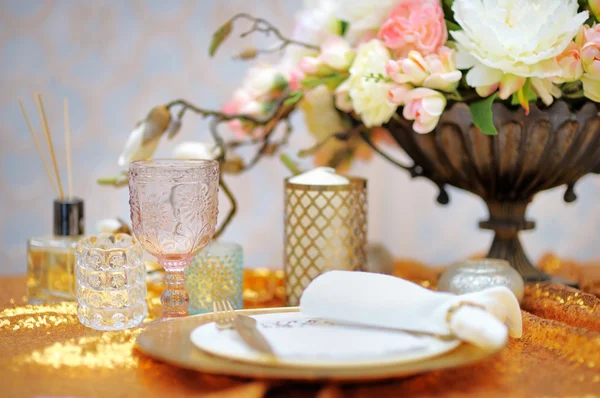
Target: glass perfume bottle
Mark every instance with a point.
(51, 259)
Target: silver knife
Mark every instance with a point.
(246, 327)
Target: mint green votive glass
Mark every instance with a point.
(216, 273)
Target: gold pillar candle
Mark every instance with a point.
(325, 229)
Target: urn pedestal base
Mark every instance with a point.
(507, 219)
(532, 152)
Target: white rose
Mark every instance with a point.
(369, 96)
(320, 115)
(196, 150)
(519, 37)
(143, 140)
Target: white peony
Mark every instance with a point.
(520, 37)
(370, 96)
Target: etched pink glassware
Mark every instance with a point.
(174, 214)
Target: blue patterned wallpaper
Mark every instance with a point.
(115, 59)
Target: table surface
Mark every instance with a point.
(45, 352)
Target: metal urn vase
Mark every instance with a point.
(531, 153)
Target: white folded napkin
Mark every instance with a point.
(386, 301)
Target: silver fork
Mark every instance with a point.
(225, 317)
(224, 314)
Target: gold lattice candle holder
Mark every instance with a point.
(325, 229)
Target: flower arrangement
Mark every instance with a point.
(352, 66)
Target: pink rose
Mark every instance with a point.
(397, 94)
(242, 102)
(424, 106)
(415, 25)
(295, 78)
(570, 64)
(589, 41)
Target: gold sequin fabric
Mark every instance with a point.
(45, 352)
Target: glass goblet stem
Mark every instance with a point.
(174, 299)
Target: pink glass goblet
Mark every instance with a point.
(174, 214)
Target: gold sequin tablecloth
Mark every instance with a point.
(45, 352)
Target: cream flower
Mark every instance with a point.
(319, 18)
(342, 97)
(591, 86)
(336, 53)
(143, 140)
(108, 225)
(517, 37)
(261, 80)
(369, 96)
(364, 16)
(315, 21)
(196, 150)
(545, 89)
(112, 226)
(320, 115)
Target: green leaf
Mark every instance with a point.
(481, 113)
(269, 106)
(452, 26)
(447, 8)
(331, 81)
(528, 93)
(280, 82)
(343, 27)
(290, 164)
(219, 37)
(294, 97)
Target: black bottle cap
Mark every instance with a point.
(68, 217)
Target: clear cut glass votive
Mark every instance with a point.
(475, 275)
(111, 282)
(216, 273)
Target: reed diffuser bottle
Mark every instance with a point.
(51, 259)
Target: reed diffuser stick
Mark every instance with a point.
(39, 147)
(68, 148)
(50, 146)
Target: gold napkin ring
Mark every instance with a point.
(458, 305)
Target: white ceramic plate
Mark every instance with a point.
(309, 342)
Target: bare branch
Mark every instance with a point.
(232, 211)
(264, 26)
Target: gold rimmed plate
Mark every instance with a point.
(170, 342)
